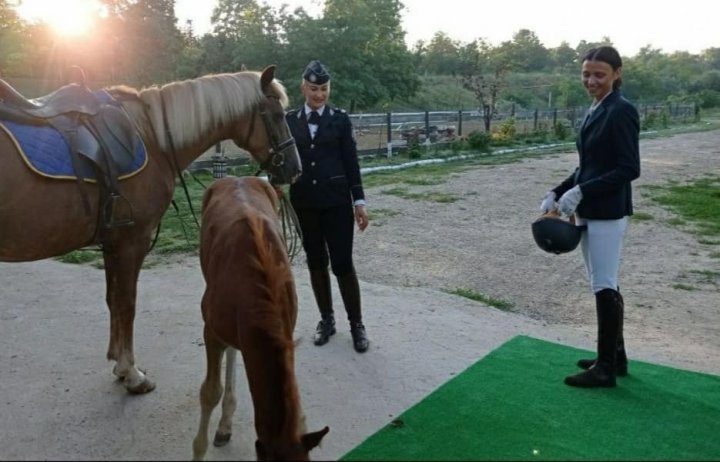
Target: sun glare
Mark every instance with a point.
(66, 17)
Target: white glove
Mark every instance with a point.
(549, 203)
(570, 200)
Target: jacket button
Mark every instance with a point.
(314, 181)
(312, 146)
(312, 164)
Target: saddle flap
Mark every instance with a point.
(116, 132)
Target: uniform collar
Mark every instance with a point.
(320, 111)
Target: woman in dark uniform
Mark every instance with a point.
(328, 199)
(600, 194)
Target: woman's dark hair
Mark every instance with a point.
(606, 54)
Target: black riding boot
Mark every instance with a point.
(621, 365)
(350, 291)
(320, 281)
(602, 373)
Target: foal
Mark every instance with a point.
(250, 304)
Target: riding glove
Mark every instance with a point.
(570, 200)
(549, 202)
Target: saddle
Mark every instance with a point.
(97, 131)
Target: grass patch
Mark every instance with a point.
(498, 303)
(429, 196)
(81, 257)
(383, 213)
(708, 242)
(709, 276)
(687, 287)
(642, 216)
(696, 202)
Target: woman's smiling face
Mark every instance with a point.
(316, 96)
(598, 78)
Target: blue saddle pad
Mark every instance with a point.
(45, 151)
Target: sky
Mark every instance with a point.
(631, 24)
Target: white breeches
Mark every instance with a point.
(601, 245)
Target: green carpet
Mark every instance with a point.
(513, 405)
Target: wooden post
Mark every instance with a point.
(389, 134)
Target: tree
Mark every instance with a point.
(564, 58)
(484, 73)
(526, 52)
(363, 45)
(584, 46)
(12, 41)
(146, 40)
(711, 57)
(249, 34)
(441, 56)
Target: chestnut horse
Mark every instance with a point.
(250, 304)
(42, 217)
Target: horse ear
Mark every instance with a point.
(311, 440)
(260, 450)
(268, 74)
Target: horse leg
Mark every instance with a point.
(210, 391)
(122, 268)
(229, 403)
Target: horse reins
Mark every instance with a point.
(288, 217)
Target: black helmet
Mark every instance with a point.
(555, 235)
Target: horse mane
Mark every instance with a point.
(275, 284)
(197, 106)
(277, 287)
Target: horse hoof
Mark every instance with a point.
(221, 439)
(146, 386)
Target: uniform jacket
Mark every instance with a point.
(608, 147)
(330, 169)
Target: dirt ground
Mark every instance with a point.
(483, 242)
(59, 401)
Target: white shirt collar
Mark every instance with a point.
(595, 104)
(308, 110)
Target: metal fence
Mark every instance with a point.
(389, 133)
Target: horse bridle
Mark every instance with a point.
(277, 149)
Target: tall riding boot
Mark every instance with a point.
(621, 365)
(350, 291)
(602, 373)
(320, 281)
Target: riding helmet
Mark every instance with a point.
(555, 235)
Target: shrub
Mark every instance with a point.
(479, 140)
(561, 131)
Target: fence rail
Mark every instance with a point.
(388, 133)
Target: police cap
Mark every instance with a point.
(316, 73)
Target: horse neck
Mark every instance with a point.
(184, 132)
(273, 386)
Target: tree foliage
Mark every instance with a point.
(362, 42)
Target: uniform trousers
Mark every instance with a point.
(328, 232)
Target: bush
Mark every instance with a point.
(479, 140)
(413, 150)
(561, 131)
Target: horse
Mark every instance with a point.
(43, 217)
(250, 305)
